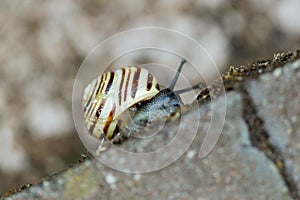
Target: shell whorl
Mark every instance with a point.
(111, 94)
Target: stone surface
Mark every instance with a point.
(43, 43)
(229, 172)
(255, 157)
(276, 96)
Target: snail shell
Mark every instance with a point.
(111, 94)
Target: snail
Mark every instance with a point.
(134, 90)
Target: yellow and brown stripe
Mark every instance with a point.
(127, 82)
(121, 86)
(91, 91)
(135, 82)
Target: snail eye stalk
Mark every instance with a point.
(198, 86)
(172, 85)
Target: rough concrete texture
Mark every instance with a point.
(276, 96)
(43, 43)
(229, 172)
(238, 167)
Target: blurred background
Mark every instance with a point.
(43, 43)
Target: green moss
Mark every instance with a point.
(81, 182)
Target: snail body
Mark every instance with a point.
(130, 90)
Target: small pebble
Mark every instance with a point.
(111, 180)
(191, 154)
(137, 177)
(277, 72)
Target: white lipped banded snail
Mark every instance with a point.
(131, 89)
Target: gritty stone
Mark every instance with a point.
(237, 168)
(44, 43)
(280, 112)
(232, 168)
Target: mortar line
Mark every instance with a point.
(259, 138)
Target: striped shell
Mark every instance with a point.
(112, 93)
